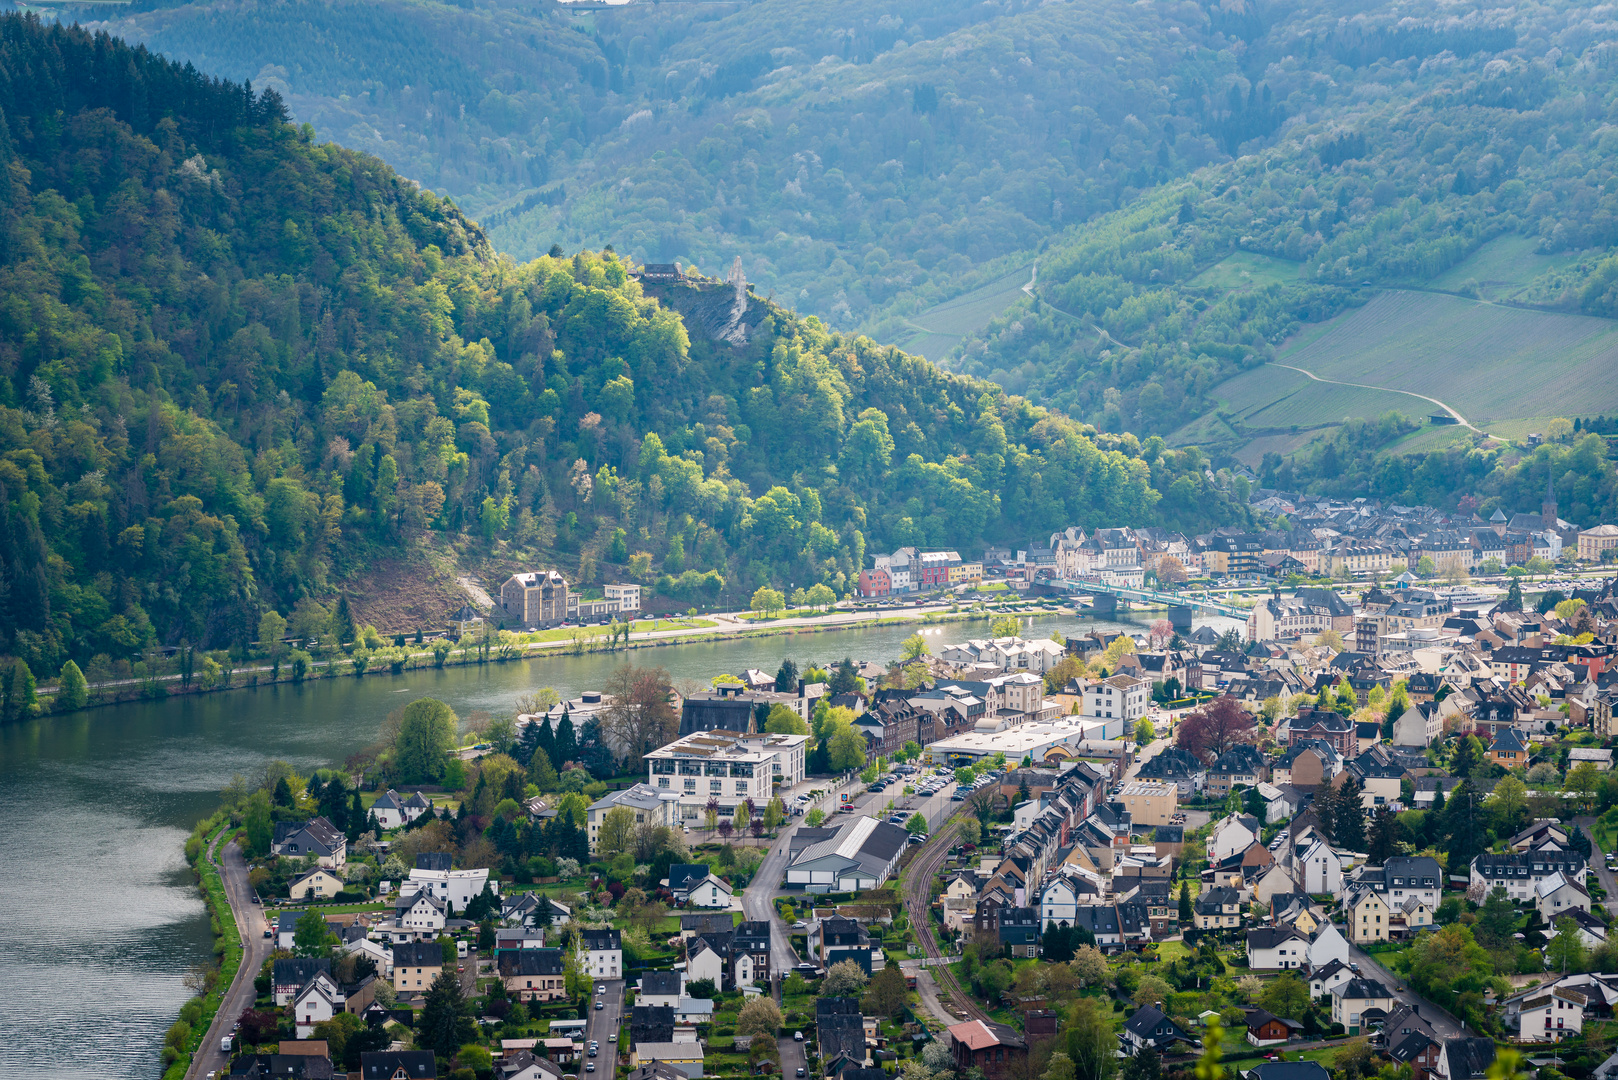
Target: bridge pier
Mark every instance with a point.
(1103, 604)
(1180, 616)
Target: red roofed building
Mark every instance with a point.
(987, 1046)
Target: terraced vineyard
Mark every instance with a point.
(942, 326)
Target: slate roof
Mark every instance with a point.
(660, 983)
(1288, 1070)
(301, 970)
(418, 954)
(382, 1064)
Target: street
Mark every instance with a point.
(1444, 1024)
(794, 1056)
(602, 1023)
(239, 997)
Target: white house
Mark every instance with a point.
(1117, 702)
(1421, 725)
(1323, 980)
(316, 884)
(1060, 899)
(709, 893)
(319, 1000)
(1238, 832)
(1322, 870)
(393, 810)
(455, 887)
(1328, 946)
(1551, 1015)
(602, 952)
(1276, 948)
(702, 962)
(1520, 872)
(661, 988)
(420, 915)
(381, 957)
(1556, 894)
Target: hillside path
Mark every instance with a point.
(1459, 419)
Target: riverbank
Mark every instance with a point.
(528, 647)
(196, 1021)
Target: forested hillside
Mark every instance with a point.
(849, 152)
(236, 363)
(1458, 131)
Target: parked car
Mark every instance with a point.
(601, 988)
(797, 1036)
(598, 1004)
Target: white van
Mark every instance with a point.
(460, 949)
(224, 1044)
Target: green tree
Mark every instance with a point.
(257, 824)
(1513, 601)
(1286, 996)
(444, 1025)
(342, 623)
(1566, 952)
(72, 692)
(914, 647)
(311, 937)
(917, 825)
(1090, 1042)
(271, 629)
(1005, 626)
(1185, 912)
(767, 601)
(1144, 732)
(887, 994)
(783, 721)
(843, 979)
(1497, 920)
(427, 733)
(846, 748)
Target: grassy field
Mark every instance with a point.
(1271, 398)
(1503, 269)
(1492, 363)
(942, 326)
(1245, 270)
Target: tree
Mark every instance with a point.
(1382, 844)
(846, 749)
(914, 648)
(843, 979)
(1185, 913)
(786, 677)
(783, 721)
(72, 691)
(258, 824)
(342, 623)
(641, 716)
(444, 1026)
(965, 775)
(1152, 991)
(1497, 920)
(970, 831)
(427, 732)
(815, 818)
(1143, 1066)
(1056, 944)
(767, 601)
(311, 937)
(1566, 952)
(759, 1016)
(1329, 639)
(617, 831)
(1005, 626)
(1468, 756)
(1287, 996)
(1090, 965)
(1144, 732)
(1210, 730)
(917, 825)
(1090, 1042)
(1513, 601)
(1509, 806)
(1348, 816)
(887, 994)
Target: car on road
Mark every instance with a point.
(797, 1036)
(598, 1005)
(612, 1036)
(601, 988)
(589, 1066)
(593, 1051)
(268, 932)
(800, 1071)
(800, 925)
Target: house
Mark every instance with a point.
(318, 1001)
(1287, 1070)
(1275, 948)
(456, 888)
(314, 839)
(398, 1065)
(1218, 909)
(651, 1024)
(416, 965)
(994, 1048)
(835, 939)
(523, 1065)
(664, 988)
(1599, 757)
(534, 599)
(1327, 946)
(1556, 896)
(650, 805)
(684, 1058)
(419, 915)
(1520, 872)
(1322, 870)
(1403, 876)
(1465, 1059)
(656, 1070)
(1420, 725)
(1508, 748)
(862, 855)
(710, 892)
(1265, 1029)
(288, 976)
(703, 960)
(602, 952)
(1591, 930)
(1360, 1003)
(1369, 917)
(529, 974)
(1020, 930)
(1324, 979)
(1240, 766)
(316, 884)
(1551, 1015)
(1235, 833)
(393, 810)
(1150, 1029)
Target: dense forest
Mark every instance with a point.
(849, 152)
(235, 361)
(1458, 131)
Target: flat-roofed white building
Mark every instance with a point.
(712, 765)
(1039, 740)
(648, 804)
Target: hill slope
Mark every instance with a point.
(236, 365)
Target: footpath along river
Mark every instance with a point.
(101, 919)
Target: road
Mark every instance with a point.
(794, 1058)
(601, 1023)
(256, 949)
(1444, 1024)
(1598, 864)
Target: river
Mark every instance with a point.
(101, 920)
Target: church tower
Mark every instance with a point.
(1547, 512)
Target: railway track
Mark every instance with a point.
(918, 888)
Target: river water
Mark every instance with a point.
(100, 919)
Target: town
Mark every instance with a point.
(1369, 831)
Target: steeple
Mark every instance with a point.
(1547, 511)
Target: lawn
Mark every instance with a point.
(1504, 269)
(639, 626)
(1246, 270)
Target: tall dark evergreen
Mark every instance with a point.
(786, 677)
(445, 1024)
(566, 743)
